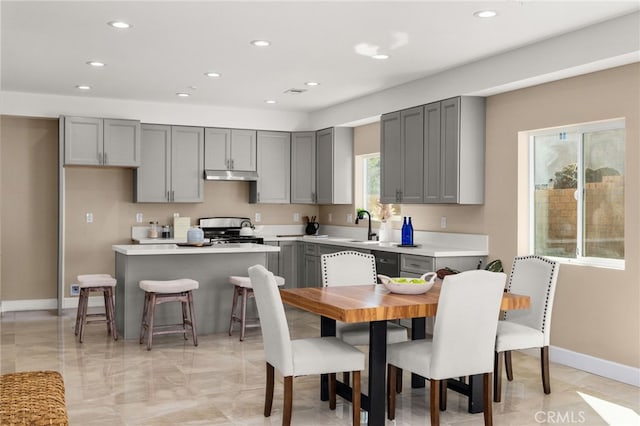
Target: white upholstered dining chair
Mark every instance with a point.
(355, 268)
(300, 357)
(463, 339)
(536, 277)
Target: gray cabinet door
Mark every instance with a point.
(152, 182)
(121, 143)
(217, 148)
(311, 272)
(243, 150)
(288, 265)
(324, 166)
(334, 165)
(450, 138)
(390, 158)
(274, 176)
(83, 141)
(303, 168)
(412, 148)
(432, 145)
(273, 259)
(187, 160)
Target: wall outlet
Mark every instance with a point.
(139, 217)
(443, 222)
(296, 217)
(349, 218)
(74, 290)
(258, 218)
(330, 217)
(89, 217)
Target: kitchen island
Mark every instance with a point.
(210, 266)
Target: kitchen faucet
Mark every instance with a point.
(370, 235)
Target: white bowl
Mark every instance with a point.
(406, 285)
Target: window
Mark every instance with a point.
(368, 188)
(577, 193)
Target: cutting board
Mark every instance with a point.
(180, 227)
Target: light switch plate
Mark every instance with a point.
(349, 218)
(296, 217)
(139, 217)
(443, 222)
(89, 217)
(330, 217)
(258, 217)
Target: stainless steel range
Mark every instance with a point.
(224, 230)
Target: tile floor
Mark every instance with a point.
(221, 382)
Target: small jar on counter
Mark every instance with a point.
(166, 231)
(153, 230)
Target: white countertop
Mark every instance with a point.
(424, 249)
(171, 249)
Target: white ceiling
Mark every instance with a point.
(45, 46)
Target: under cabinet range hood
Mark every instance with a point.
(230, 175)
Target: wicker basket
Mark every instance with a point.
(32, 398)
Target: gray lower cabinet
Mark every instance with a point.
(334, 165)
(172, 165)
(303, 168)
(454, 151)
(101, 142)
(274, 162)
(285, 262)
(230, 149)
(402, 148)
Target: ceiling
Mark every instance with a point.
(171, 45)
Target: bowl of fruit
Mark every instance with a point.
(404, 285)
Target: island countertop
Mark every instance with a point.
(173, 249)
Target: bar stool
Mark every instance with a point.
(244, 290)
(158, 292)
(104, 284)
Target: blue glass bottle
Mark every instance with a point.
(410, 232)
(405, 232)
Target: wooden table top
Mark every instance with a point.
(362, 303)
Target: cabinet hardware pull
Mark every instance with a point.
(233, 164)
(168, 195)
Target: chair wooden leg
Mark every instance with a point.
(78, 314)
(234, 306)
(507, 365)
(192, 318)
(544, 366)
(107, 311)
(355, 398)
(145, 309)
(443, 395)
(399, 380)
(83, 319)
(434, 401)
(152, 311)
(497, 376)
(243, 312)
(391, 396)
(332, 391)
(112, 314)
(288, 401)
(487, 407)
(268, 394)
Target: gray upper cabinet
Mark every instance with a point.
(402, 147)
(172, 165)
(230, 149)
(303, 168)
(274, 169)
(334, 165)
(101, 142)
(454, 151)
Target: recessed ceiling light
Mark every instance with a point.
(380, 56)
(212, 74)
(183, 95)
(312, 83)
(485, 14)
(96, 64)
(261, 43)
(83, 87)
(269, 101)
(119, 25)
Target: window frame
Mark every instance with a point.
(581, 129)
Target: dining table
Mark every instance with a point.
(377, 305)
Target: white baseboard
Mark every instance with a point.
(46, 304)
(590, 364)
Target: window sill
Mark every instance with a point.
(592, 262)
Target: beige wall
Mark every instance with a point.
(29, 215)
(596, 310)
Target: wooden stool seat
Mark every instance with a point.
(96, 283)
(158, 292)
(243, 290)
